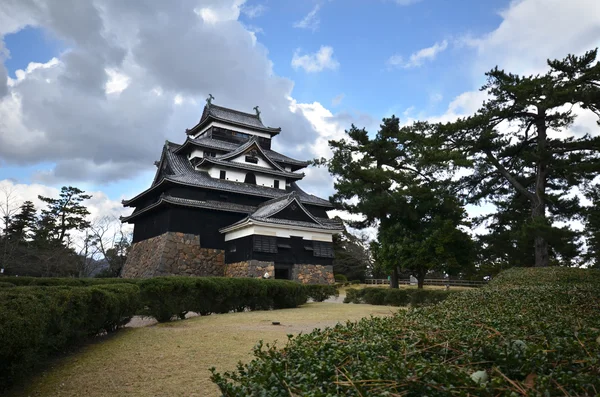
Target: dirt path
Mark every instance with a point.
(172, 359)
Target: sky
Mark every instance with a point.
(90, 90)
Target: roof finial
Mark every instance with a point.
(257, 111)
(209, 99)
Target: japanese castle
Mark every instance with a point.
(224, 203)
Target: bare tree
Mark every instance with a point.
(9, 204)
(106, 242)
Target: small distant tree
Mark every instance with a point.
(352, 256)
(425, 236)
(22, 225)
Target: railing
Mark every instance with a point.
(429, 281)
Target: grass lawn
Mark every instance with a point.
(172, 359)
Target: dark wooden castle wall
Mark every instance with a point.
(203, 222)
(151, 225)
(289, 251)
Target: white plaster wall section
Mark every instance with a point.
(261, 162)
(269, 181)
(196, 153)
(278, 232)
(231, 175)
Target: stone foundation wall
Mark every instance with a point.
(251, 268)
(173, 254)
(313, 274)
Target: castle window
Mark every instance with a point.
(276, 183)
(252, 159)
(322, 249)
(250, 178)
(264, 244)
(222, 175)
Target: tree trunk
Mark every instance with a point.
(420, 280)
(394, 280)
(542, 258)
(538, 212)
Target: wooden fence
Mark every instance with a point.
(430, 281)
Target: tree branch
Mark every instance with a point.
(513, 181)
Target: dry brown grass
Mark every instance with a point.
(172, 359)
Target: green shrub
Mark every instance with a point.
(340, 278)
(549, 275)
(6, 285)
(167, 297)
(505, 339)
(65, 281)
(318, 293)
(38, 321)
(396, 296)
(355, 282)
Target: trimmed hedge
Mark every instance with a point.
(514, 337)
(340, 278)
(36, 322)
(65, 281)
(396, 296)
(318, 293)
(43, 316)
(167, 297)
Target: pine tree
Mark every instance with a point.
(389, 182)
(516, 144)
(64, 214)
(22, 225)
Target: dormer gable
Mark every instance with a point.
(251, 153)
(287, 207)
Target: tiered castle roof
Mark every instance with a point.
(191, 164)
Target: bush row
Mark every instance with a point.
(396, 296)
(508, 339)
(43, 316)
(38, 321)
(166, 297)
(65, 281)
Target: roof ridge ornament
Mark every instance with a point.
(209, 100)
(257, 112)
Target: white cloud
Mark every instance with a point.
(133, 77)
(254, 11)
(317, 62)
(337, 100)
(417, 58)
(534, 30)
(117, 82)
(311, 21)
(435, 97)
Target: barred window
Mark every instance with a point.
(265, 244)
(323, 249)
